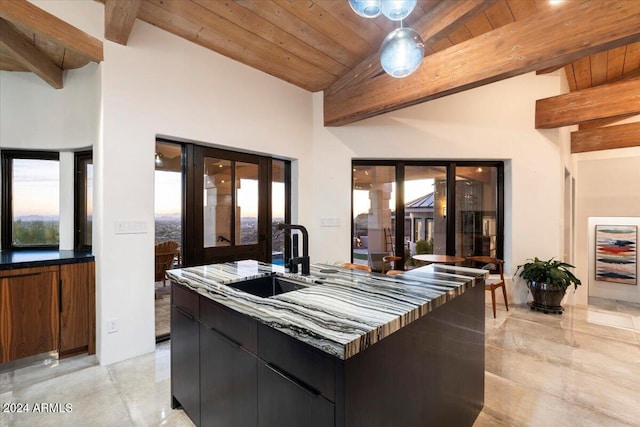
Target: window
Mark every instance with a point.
(30, 199)
(83, 208)
(280, 196)
(453, 208)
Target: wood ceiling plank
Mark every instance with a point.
(615, 62)
(440, 43)
(291, 24)
(582, 71)
(610, 137)
(478, 25)
(514, 49)
(271, 33)
(44, 24)
(521, 9)
(119, 17)
(599, 63)
(185, 19)
(439, 21)
(631, 58)
(29, 56)
(499, 14)
(596, 103)
(571, 77)
(316, 16)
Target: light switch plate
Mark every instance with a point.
(131, 227)
(329, 222)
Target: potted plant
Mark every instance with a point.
(548, 282)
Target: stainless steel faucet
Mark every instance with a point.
(294, 260)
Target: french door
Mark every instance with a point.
(227, 206)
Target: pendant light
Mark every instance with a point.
(397, 10)
(366, 8)
(401, 52)
(403, 49)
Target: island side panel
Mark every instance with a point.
(429, 373)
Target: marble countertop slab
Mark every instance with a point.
(340, 311)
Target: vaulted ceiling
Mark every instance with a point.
(322, 45)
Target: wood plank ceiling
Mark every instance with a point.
(322, 45)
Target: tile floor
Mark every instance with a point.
(578, 369)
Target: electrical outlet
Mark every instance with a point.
(112, 326)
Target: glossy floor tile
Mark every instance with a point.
(581, 368)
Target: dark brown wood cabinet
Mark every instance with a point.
(46, 309)
(77, 315)
(29, 312)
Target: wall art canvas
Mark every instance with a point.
(616, 255)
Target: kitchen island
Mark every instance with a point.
(340, 347)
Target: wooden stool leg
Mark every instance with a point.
(504, 292)
(493, 301)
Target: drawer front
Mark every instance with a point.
(185, 299)
(311, 366)
(237, 327)
(283, 402)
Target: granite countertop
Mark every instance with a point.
(10, 260)
(342, 311)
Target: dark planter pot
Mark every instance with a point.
(546, 298)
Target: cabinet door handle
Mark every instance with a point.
(304, 386)
(227, 338)
(185, 313)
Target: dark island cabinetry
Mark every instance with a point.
(185, 364)
(242, 361)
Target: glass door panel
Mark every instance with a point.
(278, 210)
(374, 214)
(246, 179)
(476, 210)
(425, 211)
(217, 202)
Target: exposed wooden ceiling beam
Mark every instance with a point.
(438, 21)
(621, 136)
(119, 16)
(511, 50)
(29, 56)
(601, 102)
(44, 24)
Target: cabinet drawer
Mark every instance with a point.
(237, 327)
(185, 298)
(304, 362)
(283, 401)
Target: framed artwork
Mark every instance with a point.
(616, 255)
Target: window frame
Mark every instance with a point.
(450, 166)
(7, 157)
(80, 199)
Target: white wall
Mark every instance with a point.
(160, 84)
(491, 122)
(608, 186)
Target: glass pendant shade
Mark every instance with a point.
(397, 10)
(366, 8)
(401, 52)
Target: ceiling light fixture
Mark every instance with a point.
(402, 50)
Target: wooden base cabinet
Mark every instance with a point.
(45, 309)
(77, 315)
(29, 312)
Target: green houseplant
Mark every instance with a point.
(548, 282)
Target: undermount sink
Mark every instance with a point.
(266, 287)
